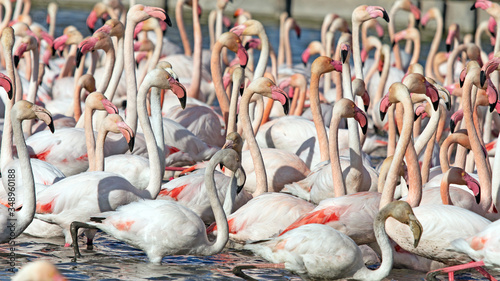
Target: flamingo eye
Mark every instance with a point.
(463, 174)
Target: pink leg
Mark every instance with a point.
(450, 270)
(451, 276)
(67, 245)
(485, 273)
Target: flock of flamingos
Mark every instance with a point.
(273, 168)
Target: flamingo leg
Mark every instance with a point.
(238, 270)
(451, 270)
(74, 235)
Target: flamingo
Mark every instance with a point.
(161, 227)
(323, 252)
(22, 110)
(78, 197)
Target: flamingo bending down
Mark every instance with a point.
(323, 252)
(161, 227)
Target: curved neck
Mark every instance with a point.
(434, 45)
(338, 180)
(426, 163)
(70, 62)
(301, 100)
(354, 176)
(249, 137)
(157, 124)
(182, 29)
(220, 217)
(391, 28)
(450, 64)
(77, 107)
(211, 28)
(117, 71)
(89, 137)
(356, 52)
(194, 89)
(237, 81)
(8, 14)
(286, 44)
(6, 146)
(108, 69)
(129, 64)
(264, 54)
(405, 138)
(480, 161)
(218, 23)
(429, 130)
(385, 246)
(317, 117)
(33, 89)
(25, 215)
(384, 75)
(157, 50)
(217, 80)
(99, 150)
(416, 51)
(445, 190)
(155, 176)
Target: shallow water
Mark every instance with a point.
(114, 260)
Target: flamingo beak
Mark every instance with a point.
(448, 48)
(242, 55)
(384, 106)
(44, 115)
(366, 100)
(344, 53)
(179, 90)
(6, 84)
(482, 78)
(238, 30)
(474, 186)
(241, 178)
(59, 42)
(360, 116)
(416, 229)
(91, 20)
(109, 106)
(128, 134)
(228, 144)
(159, 14)
(452, 126)
(305, 56)
(279, 95)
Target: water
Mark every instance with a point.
(114, 260)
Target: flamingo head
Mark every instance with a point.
(384, 106)
(279, 95)
(432, 93)
(344, 51)
(306, 54)
(377, 11)
(127, 133)
(158, 13)
(455, 118)
(179, 90)
(401, 211)
(60, 41)
(38, 112)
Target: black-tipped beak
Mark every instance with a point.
(415, 117)
(362, 64)
(393, 43)
(60, 53)
(386, 16)
(131, 143)
(167, 20)
(492, 106)
(183, 101)
(48, 66)
(305, 63)
(239, 188)
(461, 82)
(103, 21)
(53, 51)
(241, 91)
(247, 46)
(478, 197)
(448, 105)
(51, 125)
(473, 7)
(448, 48)
(364, 129)
(16, 61)
(417, 23)
(435, 104)
(452, 126)
(382, 115)
(482, 78)
(366, 107)
(344, 53)
(286, 106)
(91, 30)
(78, 57)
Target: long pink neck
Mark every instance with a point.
(434, 45)
(479, 158)
(194, 89)
(217, 80)
(317, 117)
(338, 179)
(182, 29)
